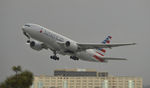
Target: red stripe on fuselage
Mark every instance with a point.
(100, 54)
(98, 58)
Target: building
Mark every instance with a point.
(85, 78)
(79, 73)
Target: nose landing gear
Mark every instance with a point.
(74, 58)
(54, 57)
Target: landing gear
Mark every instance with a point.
(54, 57)
(74, 58)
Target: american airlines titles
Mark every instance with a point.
(49, 34)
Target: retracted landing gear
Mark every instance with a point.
(54, 57)
(74, 58)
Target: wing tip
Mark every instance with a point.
(125, 59)
(133, 43)
(122, 59)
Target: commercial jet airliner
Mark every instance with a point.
(43, 38)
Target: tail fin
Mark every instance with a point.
(106, 41)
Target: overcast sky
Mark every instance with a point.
(86, 21)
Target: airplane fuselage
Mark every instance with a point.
(51, 39)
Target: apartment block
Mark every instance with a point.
(85, 78)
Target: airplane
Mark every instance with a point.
(43, 38)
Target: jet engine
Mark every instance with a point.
(72, 46)
(36, 45)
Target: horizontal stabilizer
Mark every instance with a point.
(111, 58)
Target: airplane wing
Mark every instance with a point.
(96, 46)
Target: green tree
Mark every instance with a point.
(17, 69)
(24, 80)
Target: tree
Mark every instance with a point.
(24, 79)
(16, 69)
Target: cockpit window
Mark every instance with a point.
(27, 25)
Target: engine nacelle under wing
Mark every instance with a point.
(36, 45)
(72, 46)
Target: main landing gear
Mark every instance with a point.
(54, 57)
(74, 58)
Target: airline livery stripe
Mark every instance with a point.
(103, 50)
(40, 31)
(98, 58)
(108, 41)
(100, 54)
(110, 37)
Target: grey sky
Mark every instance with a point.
(87, 21)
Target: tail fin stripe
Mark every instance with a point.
(110, 37)
(100, 54)
(98, 58)
(103, 50)
(108, 41)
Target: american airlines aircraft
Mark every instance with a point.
(43, 38)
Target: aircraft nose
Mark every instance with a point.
(23, 28)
